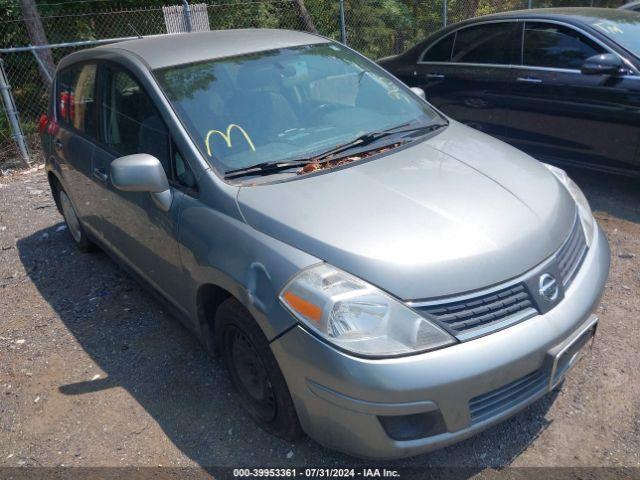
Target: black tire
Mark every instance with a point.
(254, 371)
(74, 226)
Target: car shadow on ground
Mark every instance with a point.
(146, 352)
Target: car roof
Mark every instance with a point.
(585, 15)
(578, 16)
(159, 51)
(630, 5)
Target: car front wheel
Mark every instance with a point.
(254, 371)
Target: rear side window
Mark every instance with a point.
(75, 98)
(130, 121)
(440, 51)
(488, 44)
(556, 46)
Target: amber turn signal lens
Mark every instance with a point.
(303, 307)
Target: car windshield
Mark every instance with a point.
(286, 103)
(622, 27)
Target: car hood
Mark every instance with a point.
(457, 212)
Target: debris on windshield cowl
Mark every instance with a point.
(336, 162)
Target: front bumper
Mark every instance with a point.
(340, 398)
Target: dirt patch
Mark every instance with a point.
(10, 161)
(93, 372)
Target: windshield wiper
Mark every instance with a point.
(370, 137)
(266, 168)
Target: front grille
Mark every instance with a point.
(475, 314)
(572, 253)
(484, 310)
(501, 399)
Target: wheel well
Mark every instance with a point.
(209, 299)
(54, 184)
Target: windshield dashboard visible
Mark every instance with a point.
(287, 103)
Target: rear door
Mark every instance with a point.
(558, 113)
(73, 139)
(134, 227)
(465, 74)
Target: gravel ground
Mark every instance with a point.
(93, 372)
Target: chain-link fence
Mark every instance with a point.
(374, 27)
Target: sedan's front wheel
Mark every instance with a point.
(254, 371)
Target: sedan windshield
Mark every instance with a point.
(288, 103)
(622, 27)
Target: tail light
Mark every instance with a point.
(48, 125)
(42, 123)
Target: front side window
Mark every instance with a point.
(130, 121)
(75, 93)
(487, 44)
(556, 46)
(440, 51)
(285, 103)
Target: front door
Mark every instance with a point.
(465, 74)
(558, 113)
(134, 227)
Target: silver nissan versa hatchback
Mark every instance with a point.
(372, 272)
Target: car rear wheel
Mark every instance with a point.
(73, 223)
(254, 371)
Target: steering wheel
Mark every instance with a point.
(285, 136)
(318, 109)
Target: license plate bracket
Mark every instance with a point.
(569, 354)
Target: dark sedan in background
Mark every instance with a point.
(561, 84)
(634, 6)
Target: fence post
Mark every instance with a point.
(187, 15)
(41, 64)
(343, 26)
(12, 114)
(445, 12)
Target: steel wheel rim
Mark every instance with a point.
(251, 375)
(70, 217)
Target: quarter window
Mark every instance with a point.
(130, 122)
(488, 44)
(556, 46)
(182, 173)
(441, 51)
(75, 94)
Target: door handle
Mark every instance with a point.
(435, 76)
(58, 144)
(100, 174)
(529, 80)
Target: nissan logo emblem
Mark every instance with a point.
(548, 287)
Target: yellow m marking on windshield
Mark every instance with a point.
(227, 137)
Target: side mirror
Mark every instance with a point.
(419, 92)
(142, 173)
(604, 64)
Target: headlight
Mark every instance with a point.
(358, 317)
(584, 210)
